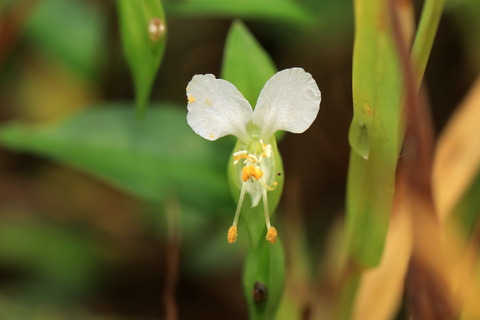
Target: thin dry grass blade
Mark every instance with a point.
(381, 289)
(457, 157)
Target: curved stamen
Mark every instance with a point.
(232, 232)
(266, 186)
(271, 231)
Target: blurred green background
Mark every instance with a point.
(92, 201)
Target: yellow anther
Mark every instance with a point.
(251, 172)
(271, 235)
(191, 99)
(237, 156)
(232, 234)
(266, 150)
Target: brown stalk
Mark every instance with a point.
(173, 258)
(427, 291)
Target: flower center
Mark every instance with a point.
(251, 172)
(258, 167)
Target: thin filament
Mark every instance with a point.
(239, 205)
(265, 209)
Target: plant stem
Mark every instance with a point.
(427, 28)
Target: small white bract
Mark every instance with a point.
(289, 101)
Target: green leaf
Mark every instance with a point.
(431, 13)
(276, 10)
(66, 261)
(264, 269)
(143, 32)
(245, 62)
(374, 133)
(59, 27)
(153, 159)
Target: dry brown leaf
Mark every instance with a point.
(381, 288)
(464, 273)
(457, 158)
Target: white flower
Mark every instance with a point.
(289, 101)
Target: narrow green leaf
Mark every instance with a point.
(431, 13)
(374, 133)
(245, 62)
(143, 31)
(154, 159)
(276, 10)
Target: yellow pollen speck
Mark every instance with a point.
(251, 172)
(232, 234)
(271, 235)
(191, 99)
(208, 102)
(211, 135)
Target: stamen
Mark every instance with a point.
(266, 150)
(232, 231)
(239, 205)
(237, 156)
(266, 186)
(232, 234)
(251, 172)
(271, 235)
(253, 158)
(272, 232)
(265, 209)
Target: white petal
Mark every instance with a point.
(289, 101)
(255, 190)
(216, 108)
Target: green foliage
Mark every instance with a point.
(143, 48)
(281, 10)
(245, 63)
(374, 133)
(265, 266)
(60, 263)
(153, 159)
(67, 37)
(431, 13)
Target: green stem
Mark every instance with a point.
(427, 28)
